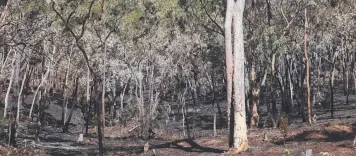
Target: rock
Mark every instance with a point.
(308, 152)
(249, 150)
(265, 137)
(154, 152)
(314, 118)
(146, 147)
(324, 153)
(80, 139)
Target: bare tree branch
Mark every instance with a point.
(214, 21)
(76, 37)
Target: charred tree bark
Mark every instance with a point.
(213, 88)
(274, 110)
(65, 98)
(87, 118)
(353, 77)
(332, 97)
(300, 90)
(331, 82)
(16, 91)
(100, 132)
(254, 92)
(102, 117)
(229, 64)
(74, 100)
(291, 86)
(307, 64)
(20, 97)
(96, 100)
(44, 77)
(239, 127)
(332, 91)
(347, 88)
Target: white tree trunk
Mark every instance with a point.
(87, 101)
(214, 124)
(229, 64)
(239, 138)
(65, 91)
(19, 101)
(44, 77)
(291, 84)
(10, 85)
(43, 80)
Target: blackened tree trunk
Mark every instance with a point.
(87, 116)
(74, 100)
(97, 99)
(331, 81)
(307, 66)
(102, 117)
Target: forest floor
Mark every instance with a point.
(325, 137)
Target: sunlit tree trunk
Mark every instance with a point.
(9, 87)
(19, 101)
(234, 18)
(45, 74)
(16, 91)
(255, 92)
(229, 63)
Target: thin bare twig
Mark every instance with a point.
(214, 21)
(77, 37)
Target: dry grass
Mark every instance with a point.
(339, 129)
(275, 150)
(209, 142)
(120, 131)
(316, 135)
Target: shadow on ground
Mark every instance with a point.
(331, 133)
(187, 145)
(193, 146)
